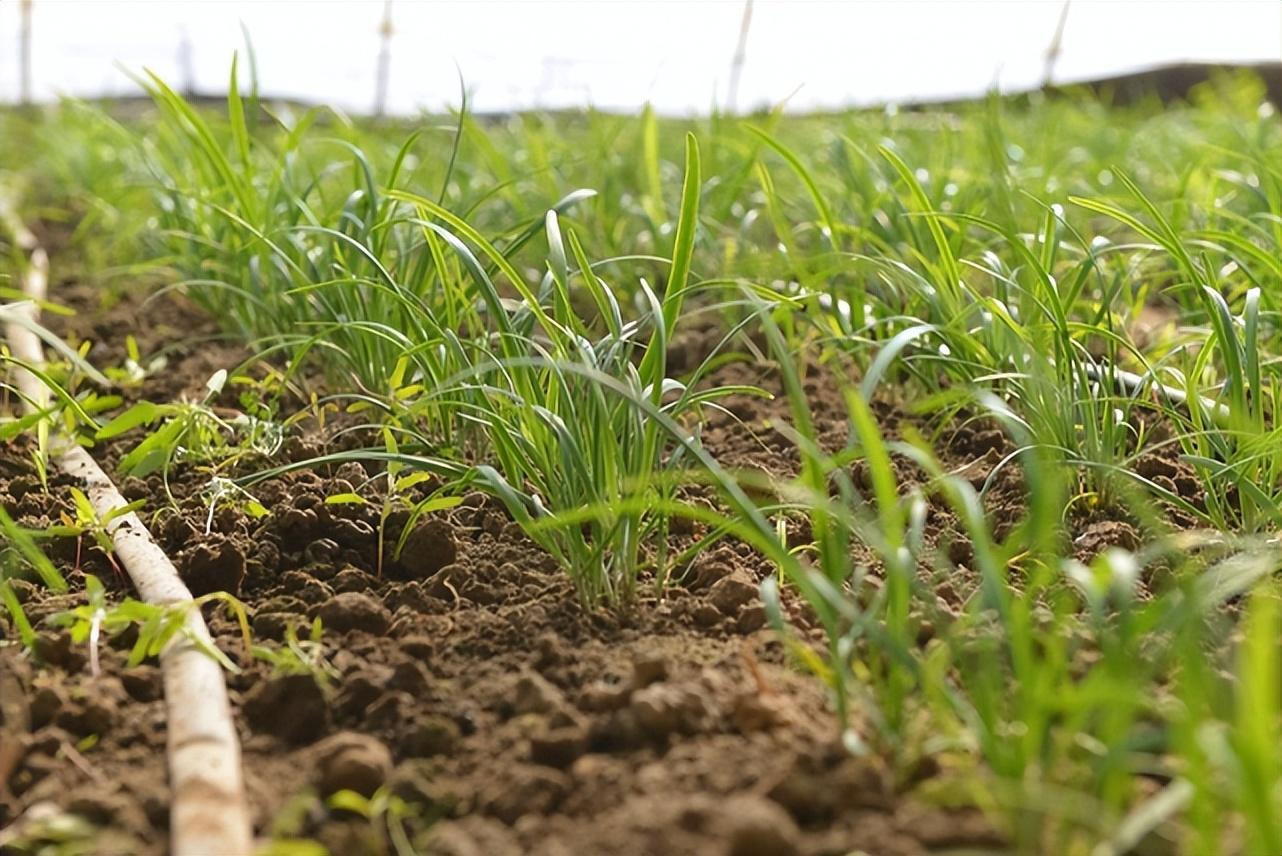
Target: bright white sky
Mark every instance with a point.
(622, 53)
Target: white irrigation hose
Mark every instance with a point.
(1133, 384)
(208, 812)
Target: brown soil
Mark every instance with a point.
(467, 678)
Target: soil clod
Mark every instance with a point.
(428, 548)
(352, 762)
(214, 564)
(292, 708)
(352, 611)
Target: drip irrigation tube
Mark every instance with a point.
(208, 812)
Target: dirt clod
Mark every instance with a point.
(558, 747)
(350, 611)
(759, 827)
(322, 551)
(729, 593)
(45, 704)
(759, 712)
(526, 790)
(215, 564)
(290, 707)
(667, 708)
(272, 625)
(352, 762)
(751, 619)
(142, 682)
(360, 689)
(429, 547)
(430, 735)
(533, 693)
(1103, 534)
(411, 677)
(941, 830)
(354, 580)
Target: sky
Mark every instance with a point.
(621, 54)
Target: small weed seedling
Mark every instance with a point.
(193, 432)
(299, 656)
(157, 625)
(87, 522)
(19, 553)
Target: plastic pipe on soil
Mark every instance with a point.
(208, 813)
(1134, 383)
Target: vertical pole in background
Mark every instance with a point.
(24, 53)
(184, 64)
(740, 54)
(384, 60)
(1053, 51)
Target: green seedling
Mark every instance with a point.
(136, 368)
(48, 830)
(299, 656)
(225, 493)
(190, 432)
(400, 480)
(19, 553)
(386, 813)
(158, 625)
(61, 407)
(390, 822)
(87, 522)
